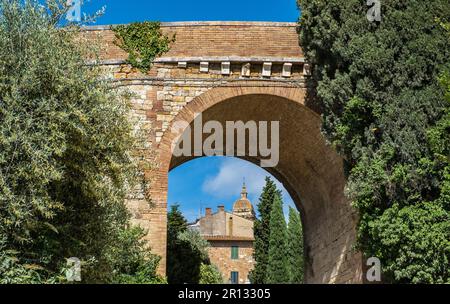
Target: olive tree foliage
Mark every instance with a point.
(210, 274)
(65, 154)
(384, 110)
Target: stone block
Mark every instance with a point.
(204, 67)
(225, 68)
(267, 69)
(160, 95)
(287, 70)
(163, 73)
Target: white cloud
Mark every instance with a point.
(227, 183)
(191, 214)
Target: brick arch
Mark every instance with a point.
(220, 94)
(310, 170)
(236, 70)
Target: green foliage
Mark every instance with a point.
(14, 272)
(277, 266)
(417, 239)
(278, 252)
(176, 223)
(143, 41)
(145, 273)
(262, 232)
(195, 243)
(65, 146)
(385, 111)
(210, 274)
(131, 262)
(295, 248)
(186, 250)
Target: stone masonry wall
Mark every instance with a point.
(220, 255)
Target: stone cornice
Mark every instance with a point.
(230, 59)
(234, 59)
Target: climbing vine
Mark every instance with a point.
(143, 41)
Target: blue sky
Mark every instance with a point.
(204, 182)
(213, 181)
(125, 11)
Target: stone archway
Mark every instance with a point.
(310, 170)
(244, 71)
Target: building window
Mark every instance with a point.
(234, 252)
(234, 277)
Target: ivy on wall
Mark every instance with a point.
(143, 41)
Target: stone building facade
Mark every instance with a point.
(230, 235)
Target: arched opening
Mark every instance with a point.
(220, 199)
(310, 170)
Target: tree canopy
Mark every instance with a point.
(187, 253)
(65, 156)
(384, 110)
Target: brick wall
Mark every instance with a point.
(204, 39)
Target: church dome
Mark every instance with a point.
(243, 206)
(242, 203)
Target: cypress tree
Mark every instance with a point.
(261, 232)
(277, 267)
(176, 224)
(295, 247)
